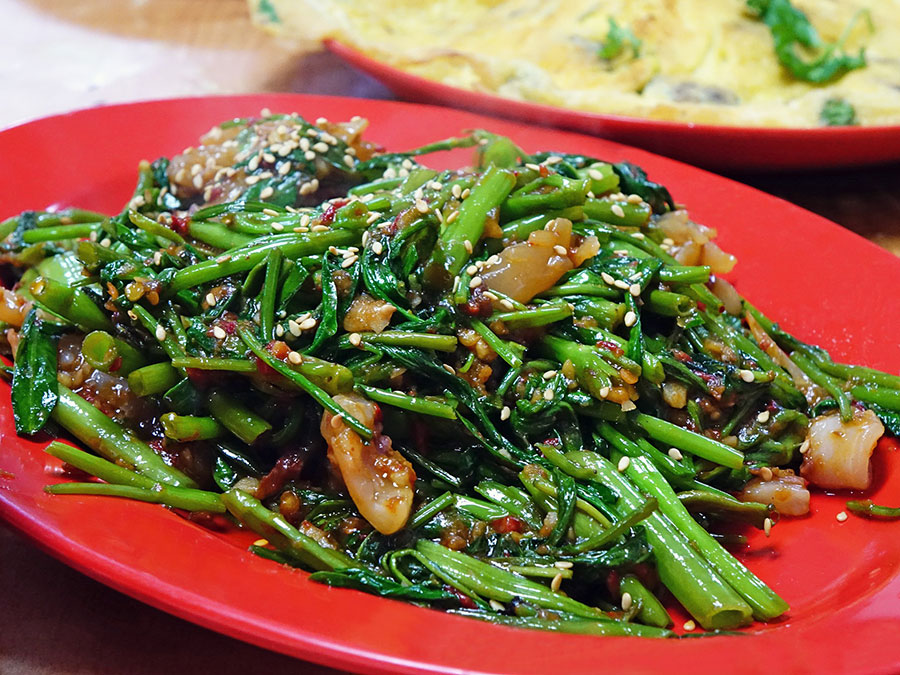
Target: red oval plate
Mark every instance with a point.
(827, 285)
(717, 147)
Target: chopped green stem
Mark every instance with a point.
(416, 404)
(868, 509)
(430, 510)
(510, 352)
(212, 363)
(688, 441)
(185, 428)
(316, 392)
(535, 316)
(88, 424)
(652, 612)
(157, 378)
(180, 498)
(236, 417)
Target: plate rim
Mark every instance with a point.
(59, 546)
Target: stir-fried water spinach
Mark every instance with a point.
(516, 391)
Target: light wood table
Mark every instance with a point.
(61, 55)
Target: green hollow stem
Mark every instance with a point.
(766, 604)
(536, 316)
(282, 534)
(212, 363)
(416, 404)
(497, 584)
(236, 417)
(245, 258)
(186, 428)
(59, 233)
(157, 378)
(317, 393)
(179, 498)
(687, 574)
(574, 626)
(439, 343)
(102, 435)
(652, 612)
(110, 354)
(688, 441)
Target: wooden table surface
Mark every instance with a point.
(61, 55)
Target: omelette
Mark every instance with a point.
(679, 60)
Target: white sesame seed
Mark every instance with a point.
(763, 416)
(266, 192)
(475, 282)
(548, 394)
(635, 289)
(456, 190)
(219, 333)
(377, 248)
(251, 180)
(106, 242)
(617, 211)
(497, 606)
(634, 199)
(269, 157)
(210, 299)
(449, 369)
(223, 258)
(355, 339)
(303, 144)
(279, 330)
(309, 155)
(675, 454)
(556, 582)
(319, 228)
(630, 318)
(563, 564)
(472, 270)
(562, 250)
(348, 160)
(505, 412)
(307, 324)
(689, 625)
(621, 283)
(533, 167)
(422, 206)
(595, 175)
(604, 392)
(747, 375)
(465, 193)
(626, 601)
(624, 463)
(160, 333)
(295, 357)
(637, 235)
(628, 406)
(507, 305)
(278, 227)
(157, 258)
(349, 260)
(841, 517)
(804, 447)
(320, 147)
(767, 526)
(321, 120)
(452, 218)
(766, 473)
(607, 278)
(668, 241)
(284, 169)
(294, 327)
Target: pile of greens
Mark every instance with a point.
(558, 505)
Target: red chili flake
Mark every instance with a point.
(507, 524)
(200, 378)
(331, 210)
(228, 326)
(479, 304)
(287, 468)
(552, 441)
(264, 368)
(116, 364)
(613, 583)
(544, 171)
(180, 224)
(701, 306)
(278, 348)
(684, 357)
(610, 347)
(464, 600)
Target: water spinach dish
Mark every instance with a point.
(518, 391)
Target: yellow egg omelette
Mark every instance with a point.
(701, 61)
